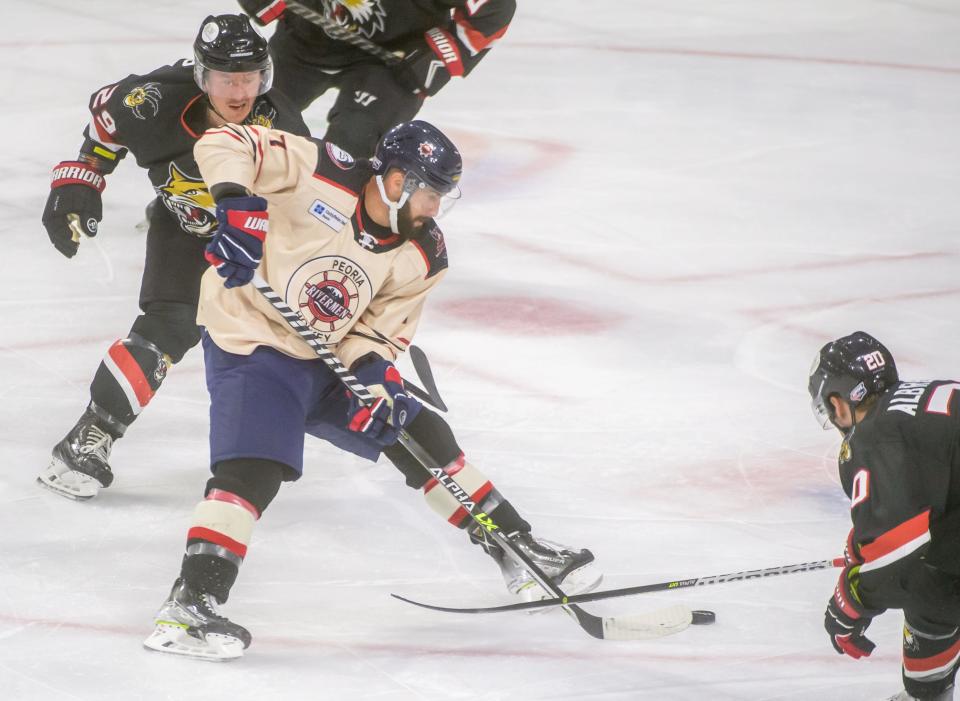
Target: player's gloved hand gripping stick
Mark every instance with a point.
(74, 206)
(237, 246)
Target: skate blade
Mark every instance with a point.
(175, 639)
(59, 478)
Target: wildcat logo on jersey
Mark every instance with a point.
(190, 202)
(364, 16)
(263, 115)
(331, 292)
(144, 97)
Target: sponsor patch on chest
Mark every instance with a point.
(328, 215)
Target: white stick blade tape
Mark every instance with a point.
(644, 626)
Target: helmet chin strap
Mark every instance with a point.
(848, 431)
(213, 109)
(394, 207)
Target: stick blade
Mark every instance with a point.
(425, 373)
(647, 626)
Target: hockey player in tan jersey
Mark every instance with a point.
(355, 248)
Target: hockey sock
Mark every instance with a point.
(930, 658)
(128, 376)
(433, 433)
(476, 490)
(217, 542)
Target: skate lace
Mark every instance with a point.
(209, 606)
(96, 442)
(539, 549)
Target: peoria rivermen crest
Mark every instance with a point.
(330, 293)
(190, 202)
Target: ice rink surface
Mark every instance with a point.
(668, 207)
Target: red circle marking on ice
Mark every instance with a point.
(528, 315)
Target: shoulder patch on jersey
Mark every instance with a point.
(263, 115)
(144, 100)
(434, 248)
(845, 451)
(349, 175)
(340, 158)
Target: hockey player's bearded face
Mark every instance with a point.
(232, 94)
(422, 206)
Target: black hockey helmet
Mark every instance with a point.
(420, 149)
(229, 43)
(854, 367)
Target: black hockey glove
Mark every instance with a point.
(263, 12)
(426, 69)
(846, 618)
(237, 246)
(392, 409)
(74, 196)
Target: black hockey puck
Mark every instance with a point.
(703, 618)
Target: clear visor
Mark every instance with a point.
(821, 412)
(233, 86)
(428, 200)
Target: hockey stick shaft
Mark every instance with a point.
(310, 338)
(340, 33)
(77, 232)
(593, 625)
(642, 589)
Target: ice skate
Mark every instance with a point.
(79, 465)
(188, 624)
(573, 571)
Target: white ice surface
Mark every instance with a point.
(668, 207)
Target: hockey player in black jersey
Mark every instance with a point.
(900, 466)
(157, 117)
(384, 56)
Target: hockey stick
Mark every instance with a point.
(425, 373)
(636, 627)
(339, 33)
(76, 231)
(424, 395)
(642, 589)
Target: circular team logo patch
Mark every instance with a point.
(340, 158)
(330, 293)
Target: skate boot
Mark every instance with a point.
(189, 624)
(78, 467)
(570, 570)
